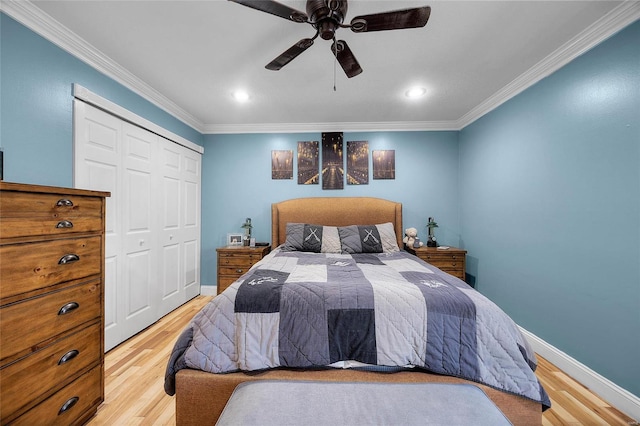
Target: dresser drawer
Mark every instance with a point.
(31, 214)
(49, 368)
(69, 406)
(29, 325)
(31, 266)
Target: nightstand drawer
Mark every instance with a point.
(453, 261)
(238, 259)
(32, 377)
(39, 265)
(70, 405)
(224, 282)
(31, 214)
(38, 321)
(233, 270)
(442, 257)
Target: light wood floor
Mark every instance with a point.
(134, 377)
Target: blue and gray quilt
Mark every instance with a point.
(302, 310)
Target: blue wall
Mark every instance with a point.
(36, 132)
(550, 208)
(237, 184)
(543, 192)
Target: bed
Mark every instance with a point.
(352, 238)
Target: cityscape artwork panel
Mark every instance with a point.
(282, 164)
(384, 164)
(332, 161)
(357, 162)
(308, 163)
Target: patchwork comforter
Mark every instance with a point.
(302, 310)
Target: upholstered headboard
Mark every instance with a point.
(334, 211)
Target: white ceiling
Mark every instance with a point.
(188, 57)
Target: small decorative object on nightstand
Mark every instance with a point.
(247, 231)
(431, 239)
(451, 260)
(235, 261)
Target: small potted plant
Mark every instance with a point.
(431, 240)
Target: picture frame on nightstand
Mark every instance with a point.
(234, 239)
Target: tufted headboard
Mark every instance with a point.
(334, 211)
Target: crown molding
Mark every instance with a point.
(330, 127)
(38, 21)
(623, 15)
(43, 24)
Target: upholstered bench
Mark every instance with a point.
(281, 403)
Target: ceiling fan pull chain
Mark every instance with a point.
(335, 62)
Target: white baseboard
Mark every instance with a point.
(618, 397)
(208, 290)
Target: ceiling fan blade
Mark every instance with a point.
(395, 20)
(275, 8)
(345, 58)
(290, 54)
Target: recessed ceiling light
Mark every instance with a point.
(415, 92)
(240, 96)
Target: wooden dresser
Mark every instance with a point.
(51, 304)
(452, 260)
(235, 261)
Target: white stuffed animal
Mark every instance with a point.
(410, 235)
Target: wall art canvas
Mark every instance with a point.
(384, 164)
(308, 163)
(282, 164)
(357, 162)
(332, 161)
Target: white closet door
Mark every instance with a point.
(180, 227)
(97, 163)
(153, 218)
(191, 178)
(171, 238)
(139, 213)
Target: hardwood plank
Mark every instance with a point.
(134, 380)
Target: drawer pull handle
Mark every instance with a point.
(69, 307)
(63, 202)
(64, 224)
(69, 404)
(69, 356)
(68, 258)
(239, 271)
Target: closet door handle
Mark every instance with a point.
(64, 224)
(69, 404)
(68, 356)
(69, 307)
(68, 258)
(63, 202)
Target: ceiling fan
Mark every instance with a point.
(326, 16)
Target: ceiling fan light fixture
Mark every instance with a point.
(415, 92)
(240, 96)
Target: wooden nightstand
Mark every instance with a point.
(235, 261)
(451, 260)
